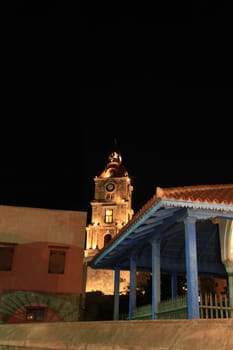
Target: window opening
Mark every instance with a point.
(57, 261)
(35, 314)
(6, 257)
(108, 215)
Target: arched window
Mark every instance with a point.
(107, 238)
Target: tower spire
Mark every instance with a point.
(115, 141)
(116, 145)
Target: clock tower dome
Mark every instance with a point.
(111, 209)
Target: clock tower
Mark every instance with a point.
(111, 209)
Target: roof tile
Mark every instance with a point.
(219, 194)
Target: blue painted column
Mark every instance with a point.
(133, 284)
(156, 289)
(116, 294)
(173, 284)
(191, 267)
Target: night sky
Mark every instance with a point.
(163, 141)
(160, 85)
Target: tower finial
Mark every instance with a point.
(115, 155)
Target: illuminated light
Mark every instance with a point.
(29, 317)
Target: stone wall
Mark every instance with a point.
(120, 335)
(103, 280)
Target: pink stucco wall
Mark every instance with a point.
(33, 230)
(30, 270)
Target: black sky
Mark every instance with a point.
(75, 79)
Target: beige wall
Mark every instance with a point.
(25, 225)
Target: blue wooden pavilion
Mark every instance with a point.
(185, 230)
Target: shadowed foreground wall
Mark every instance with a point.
(120, 335)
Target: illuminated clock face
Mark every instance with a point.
(110, 186)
